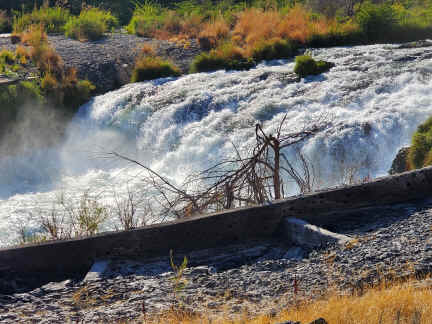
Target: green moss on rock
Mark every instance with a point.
(306, 65)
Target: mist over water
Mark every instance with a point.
(375, 98)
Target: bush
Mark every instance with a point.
(376, 20)
(91, 25)
(213, 33)
(146, 18)
(306, 65)
(420, 153)
(53, 19)
(77, 93)
(19, 94)
(228, 57)
(149, 68)
(273, 49)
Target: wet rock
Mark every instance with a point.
(416, 44)
(399, 164)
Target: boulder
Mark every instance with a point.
(399, 164)
(301, 233)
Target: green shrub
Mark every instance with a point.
(420, 153)
(149, 68)
(53, 19)
(77, 93)
(91, 24)
(273, 49)
(376, 20)
(306, 65)
(225, 57)
(147, 17)
(16, 95)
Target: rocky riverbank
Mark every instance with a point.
(108, 63)
(257, 277)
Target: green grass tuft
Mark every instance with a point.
(149, 68)
(227, 57)
(90, 25)
(273, 49)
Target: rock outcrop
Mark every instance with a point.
(399, 164)
(108, 63)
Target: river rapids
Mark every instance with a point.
(374, 99)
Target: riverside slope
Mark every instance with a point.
(257, 276)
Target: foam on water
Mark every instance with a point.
(375, 97)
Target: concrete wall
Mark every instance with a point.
(322, 208)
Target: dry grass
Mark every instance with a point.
(177, 28)
(297, 25)
(213, 33)
(388, 303)
(147, 50)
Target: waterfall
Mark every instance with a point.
(374, 99)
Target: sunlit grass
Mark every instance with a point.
(388, 303)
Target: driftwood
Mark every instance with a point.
(251, 178)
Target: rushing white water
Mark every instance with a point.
(375, 97)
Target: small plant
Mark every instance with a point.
(90, 25)
(65, 220)
(127, 211)
(420, 153)
(179, 282)
(150, 67)
(88, 216)
(306, 65)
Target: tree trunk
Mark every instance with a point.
(276, 175)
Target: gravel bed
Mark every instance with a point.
(257, 276)
(108, 63)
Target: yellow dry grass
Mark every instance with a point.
(389, 303)
(255, 25)
(213, 32)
